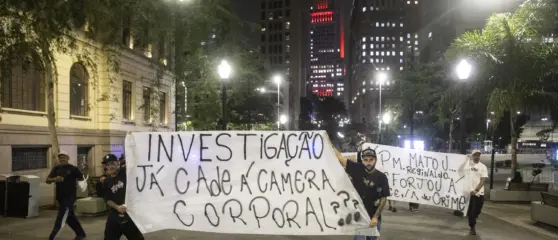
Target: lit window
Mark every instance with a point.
(383, 38)
(393, 24)
(364, 9)
(408, 2)
(416, 2)
(401, 39)
(371, 53)
(388, 68)
(401, 60)
(430, 35)
(416, 35)
(377, 60)
(388, 53)
(383, 53)
(416, 42)
(393, 53)
(377, 53)
(363, 46)
(287, 25)
(401, 68)
(371, 46)
(401, 24)
(377, 24)
(363, 54)
(383, 24)
(408, 35)
(401, 53)
(377, 39)
(263, 29)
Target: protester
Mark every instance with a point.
(536, 178)
(479, 174)
(118, 222)
(99, 187)
(66, 176)
(371, 184)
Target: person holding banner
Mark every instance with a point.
(479, 174)
(118, 222)
(371, 184)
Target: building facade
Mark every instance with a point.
(95, 107)
(282, 23)
(387, 36)
(327, 48)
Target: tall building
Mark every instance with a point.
(387, 36)
(328, 21)
(282, 23)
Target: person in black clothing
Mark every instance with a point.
(118, 222)
(371, 184)
(65, 176)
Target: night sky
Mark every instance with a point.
(248, 10)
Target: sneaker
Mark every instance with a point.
(394, 210)
(472, 232)
(390, 208)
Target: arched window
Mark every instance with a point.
(24, 88)
(79, 91)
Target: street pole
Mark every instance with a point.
(380, 115)
(462, 148)
(223, 107)
(492, 162)
(278, 105)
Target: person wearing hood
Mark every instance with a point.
(371, 184)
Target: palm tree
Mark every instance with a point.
(516, 62)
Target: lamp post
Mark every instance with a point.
(463, 73)
(382, 77)
(277, 80)
(386, 119)
(282, 120)
(224, 71)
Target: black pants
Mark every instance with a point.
(475, 208)
(66, 215)
(117, 226)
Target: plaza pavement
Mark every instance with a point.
(498, 222)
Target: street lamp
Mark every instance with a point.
(463, 72)
(381, 77)
(282, 120)
(386, 118)
(277, 80)
(224, 70)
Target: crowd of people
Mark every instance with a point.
(372, 186)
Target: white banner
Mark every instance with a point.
(432, 178)
(277, 183)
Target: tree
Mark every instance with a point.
(418, 87)
(519, 67)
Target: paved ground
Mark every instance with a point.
(512, 222)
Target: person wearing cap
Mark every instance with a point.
(118, 222)
(66, 175)
(372, 185)
(479, 174)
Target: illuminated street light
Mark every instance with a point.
(283, 119)
(463, 70)
(224, 70)
(386, 118)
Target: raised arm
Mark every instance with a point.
(342, 159)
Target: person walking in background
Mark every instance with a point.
(536, 178)
(479, 174)
(66, 175)
(392, 206)
(372, 185)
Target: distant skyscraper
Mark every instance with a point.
(327, 47)
(386, 36)
(281, 33)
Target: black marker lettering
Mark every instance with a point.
(178, 216)
(224, 146)
(202, 147)
(162, 144)
(176, 182)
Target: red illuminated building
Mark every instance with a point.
(326, 49)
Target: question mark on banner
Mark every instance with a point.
(335, 206)
(347, 197)
(357, 214)
(355, 203)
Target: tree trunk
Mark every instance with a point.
(51, 115)
(450, 135)
(513, 145)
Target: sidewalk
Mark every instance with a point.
(498, 222)
(518, 215)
